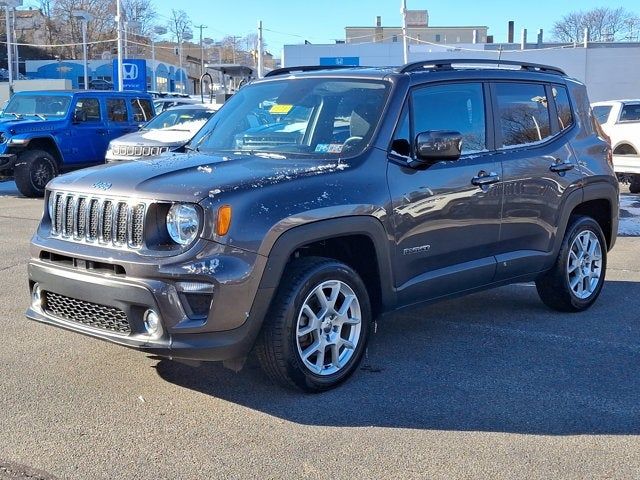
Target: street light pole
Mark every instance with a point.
(260, 51)
(119, 21)
(154, 77)
(405, 40)
(9, 47)
(201, 27)
(84, 17)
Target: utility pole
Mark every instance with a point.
(405, 40)
(201, 27)
(260, 51)
(9, 47)
(119, 22)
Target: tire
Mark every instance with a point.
(282, 351)
(33, 170)
(634, 186)
(555, 286)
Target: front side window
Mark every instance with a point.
(565, 116)
(454, 107)
(316, 117)
(601, 112)
(116, 110)
(87, 110)
(630, 112)
(142, 110)
(523, 113)
(37, 105)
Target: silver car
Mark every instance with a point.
(168, 131)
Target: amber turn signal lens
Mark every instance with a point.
(224, 220)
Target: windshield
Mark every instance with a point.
(182, 119)
(309, 116)
(37, 105)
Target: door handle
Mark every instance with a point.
(561, 167)
(485, 178)
(100, 131)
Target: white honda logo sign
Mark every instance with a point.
(129, 71)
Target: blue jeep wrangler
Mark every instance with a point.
(49, 132)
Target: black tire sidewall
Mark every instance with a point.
(295, 366)
(27, 163)
(580, 226)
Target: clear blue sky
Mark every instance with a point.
(322, 21)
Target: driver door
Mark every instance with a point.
(88, 124)
(446, 214)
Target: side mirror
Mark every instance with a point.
(438, 145)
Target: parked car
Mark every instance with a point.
(620, 120)
(100, 84)
(166, 132)
(165, 103)
(456, 176)
(47, 132)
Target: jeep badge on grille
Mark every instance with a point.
(102, 185)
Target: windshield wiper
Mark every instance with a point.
(40, 116)
(191, 149)
(17, 115)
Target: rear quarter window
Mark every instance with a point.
(142, 110)
(563, 107)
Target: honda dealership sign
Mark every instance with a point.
(134, 74)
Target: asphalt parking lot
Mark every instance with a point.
(493, 385)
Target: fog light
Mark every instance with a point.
(151, 322)
(36, 296)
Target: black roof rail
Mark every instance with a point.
(447, 64)
(304, 68)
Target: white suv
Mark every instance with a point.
(620, 120)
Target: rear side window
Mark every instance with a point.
(601, 112)
(116, 110)
(523, 113)
(565, 116)
(87, 110)
(457, 107)
(630, 112)
(142, 111)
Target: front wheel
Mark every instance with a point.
(576, 279)
(634, 185)
(318, 325)
(32, 172)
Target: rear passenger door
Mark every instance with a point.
(446, 227)
(120, 122)
(533, 125)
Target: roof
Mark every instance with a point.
(426, 66)
(81, 92)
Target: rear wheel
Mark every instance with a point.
(318, 325)
(33, 170)
(576, 279)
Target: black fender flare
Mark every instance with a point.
(289, 241)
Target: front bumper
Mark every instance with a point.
(134, 297)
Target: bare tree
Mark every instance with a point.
(141, 11)
(179, 24)
(605, 25)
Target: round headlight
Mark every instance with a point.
(183, 223)
(3, 137)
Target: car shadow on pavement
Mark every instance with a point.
(495, 361)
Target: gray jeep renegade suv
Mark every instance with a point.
(317, 199)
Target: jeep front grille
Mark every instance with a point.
(111, 222)
(87, 313)
(138, 151)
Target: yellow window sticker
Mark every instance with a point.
(280, 109)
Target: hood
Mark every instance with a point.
(29, 124)
(191, 176)
(154, 138)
